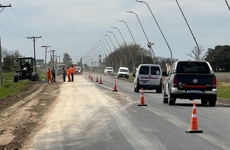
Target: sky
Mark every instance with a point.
(75, 27)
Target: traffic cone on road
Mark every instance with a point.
(100, 82)
(142, 100)
(194, 122)
(115, 87)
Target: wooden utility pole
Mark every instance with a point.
(45, 46)
(2, 6)
(34, 39)
(52, 51)
(0, 62)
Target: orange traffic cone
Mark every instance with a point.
(100, 82)
(142, 100)
(97, 79)
(194, 122)
(115, 87)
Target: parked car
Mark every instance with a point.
(148, 77)
(108, 71)
(190, 80)
(123, 72)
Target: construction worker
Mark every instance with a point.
(48, 74)
(68, 72)
(63, 74)
(72, 72)
(53, 74)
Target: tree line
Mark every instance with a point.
(132, 55)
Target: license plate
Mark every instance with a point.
(145, 81)
(194, 91)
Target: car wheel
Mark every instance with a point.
(204, 102)
(171, 99)
(212, 101)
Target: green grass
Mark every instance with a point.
(9, 87)
(223, 90)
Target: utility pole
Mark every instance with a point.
(45, 46)
(2, 6)
(52, 51)
(34, 39)
(0, 61)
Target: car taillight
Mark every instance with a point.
(213, 82)
(161, 81)
(175, 81)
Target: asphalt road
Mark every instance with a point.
(90, 116)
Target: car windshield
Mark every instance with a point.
(78, 68)
(109, 68)
(124, 70)
(193, 67)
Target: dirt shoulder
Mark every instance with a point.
(20, 114)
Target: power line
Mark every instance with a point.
(14, 26)
(20, 22)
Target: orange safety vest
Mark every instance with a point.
(68, 71)
(48, 73)
(73, 70)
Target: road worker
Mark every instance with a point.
(48, 74)
(53, 75)
(63, 74)
(72, 72)
(68, 72)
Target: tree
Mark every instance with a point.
(67, 59)
(219, 57)
(196, 53)
(8, 58)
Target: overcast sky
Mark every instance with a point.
(75, 26)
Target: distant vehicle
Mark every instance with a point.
(78, 70)
(108, 71)
(148, 77)
(190, 80)
(123, 72)
(25, 69)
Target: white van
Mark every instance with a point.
(148, 77)
(123, 72)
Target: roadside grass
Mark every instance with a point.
(9, 87)
(223, 90)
